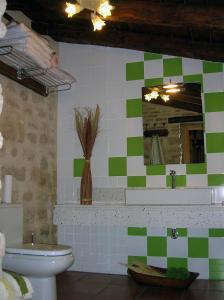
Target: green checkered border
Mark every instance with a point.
(198, 248)
(213, 102)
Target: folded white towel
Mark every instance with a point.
(3, 291)
(11, 279)
(19, 30)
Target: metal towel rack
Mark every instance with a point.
(27, 68)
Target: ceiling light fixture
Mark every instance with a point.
(98, 7)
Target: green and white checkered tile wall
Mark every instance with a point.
(199, 250)
(158, 69)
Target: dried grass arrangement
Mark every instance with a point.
(87, 127)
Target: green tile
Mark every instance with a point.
(215, 179)
(151, 56)
(216, 232)
(198, 247)
(177, 262)
(134, 108)
(214, 102)
(139, 231)
(181, 231)
(215, 142)
(153, 82)
(216, 269)
(172, 67)
(133, 259)
(216, 275)
(212, 67)
(135, 70)
(135, 146)
(117, 166)
(78, 165)
(156, 170)
(136, 181)
(197, 78)
(180, 180)
(216, 264)
(157, 246)
(196, 168)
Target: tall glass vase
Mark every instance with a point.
(86, 184)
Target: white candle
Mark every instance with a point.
(7, 189)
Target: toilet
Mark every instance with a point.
(40, 263)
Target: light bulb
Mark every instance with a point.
(165, 97)
(154, 94)
(105, 9)
(72, 9)
(97, 22)
(170, 86)
(173, 91)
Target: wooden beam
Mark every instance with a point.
(27, 82)
(167, 13)
(145, 41)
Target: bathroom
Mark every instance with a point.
(46, 164)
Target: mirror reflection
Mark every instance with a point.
(173, 124)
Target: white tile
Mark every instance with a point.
(195, 180)
(134, 56)
(122, 181)
(173, 79)
(214, 122)
(177, 247)
(191, 66)
(116, 126)
(133, 89)
(153, 68)
(135, 166)
(216, 247)
(215, 163)
(180, 169)
(137, 245)
(156, 231)
(117, 146)
(169, 56)
(213, 82)
(116, 109)
(160, 262)
(199, 265)
(100, 182)
(218, 195)
(198, 232)
(133, 127)
(158, 181)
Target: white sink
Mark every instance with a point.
(168, 196)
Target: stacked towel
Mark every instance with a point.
(15, 286)
(31, 44)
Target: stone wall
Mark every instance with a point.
(28, 124)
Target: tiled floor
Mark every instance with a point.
(85, 286)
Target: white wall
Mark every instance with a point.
(101, 79)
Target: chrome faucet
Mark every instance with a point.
(173, 178)
(174, 233)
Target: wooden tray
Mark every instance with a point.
(163, 281)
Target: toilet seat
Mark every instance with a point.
(39, 249)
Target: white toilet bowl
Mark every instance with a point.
(40, 263)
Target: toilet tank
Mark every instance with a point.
(11, 222)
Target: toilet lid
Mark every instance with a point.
(39, 249)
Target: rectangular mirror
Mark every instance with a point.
(173, 124)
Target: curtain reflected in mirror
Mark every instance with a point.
(173, 124)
